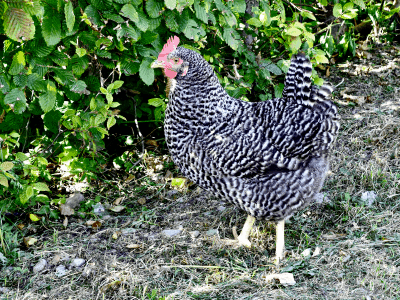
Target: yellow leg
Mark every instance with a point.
(243, 238)
(280, 240)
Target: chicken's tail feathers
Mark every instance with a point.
(298, 85)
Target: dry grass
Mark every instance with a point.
(359, 244)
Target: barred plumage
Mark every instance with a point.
(268, 158)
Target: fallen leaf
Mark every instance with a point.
(96, 225)
(118, 200)
(29, 241)
(65, 222)
(152, 143)
(168, 175)
(33, 217)
(284, 278)
(133, 246)
(130, 178)
(20, 226)
(333, 236)
(117, 208)
(142, 201)
(116, 234)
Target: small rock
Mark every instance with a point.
(4, 290)
(221, 208)
(306, 252)
(98, 209)
(77, 262)
(368, 197)
(212, 232)
(127, 231)
(194, 234)
(106, 217)
(42, 263)
(317, 251)
(284, 278)
(60, 271)
(171, 232)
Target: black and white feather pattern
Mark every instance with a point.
(268, 158)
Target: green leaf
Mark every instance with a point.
(348, 6)
(16, 98)
(292, 31)
(308, 14)
(200, 11)
(295, 44)
(143, 23)
(170, 4)
(129, 11)
(6, 166)
(18, 63)
(21, 156)
(239, 6)
(79, 64)
(337, 10)
(348, 15)
(80, 51)
(3, 180)
(36, 83)
(323, 2)
(254, 22)
(111, 122)
(278, 89)
(47, 100)
(156, 102)
(51, 120)
(318, 81)
(93, 15)
(171, 22)
(69, 15)
(321, 59)
(231, 37)
(192, 30)
(4, 86)
(102, 4)
(265, 17)
(78, 87)
(145, 72)
(29, 193)
(153, 8)
(51, 27)
(360, 3)
(41, 187)
(116, 84)
(20, 80)
(18, 24)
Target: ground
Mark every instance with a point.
(344, 246)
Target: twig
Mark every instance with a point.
(339, 83)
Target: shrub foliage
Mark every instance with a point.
(70, 70)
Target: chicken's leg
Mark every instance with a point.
(243, 238)
(280, 240)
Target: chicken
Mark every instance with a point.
(268, 158)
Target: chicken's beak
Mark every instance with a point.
(157, 64)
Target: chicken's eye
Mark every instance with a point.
(176, 60)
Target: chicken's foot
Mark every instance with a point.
(243, 238)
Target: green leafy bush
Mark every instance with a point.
(71, 70)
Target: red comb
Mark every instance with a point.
(170, 46)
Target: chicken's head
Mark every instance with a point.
(181, 63)
(168, 61)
